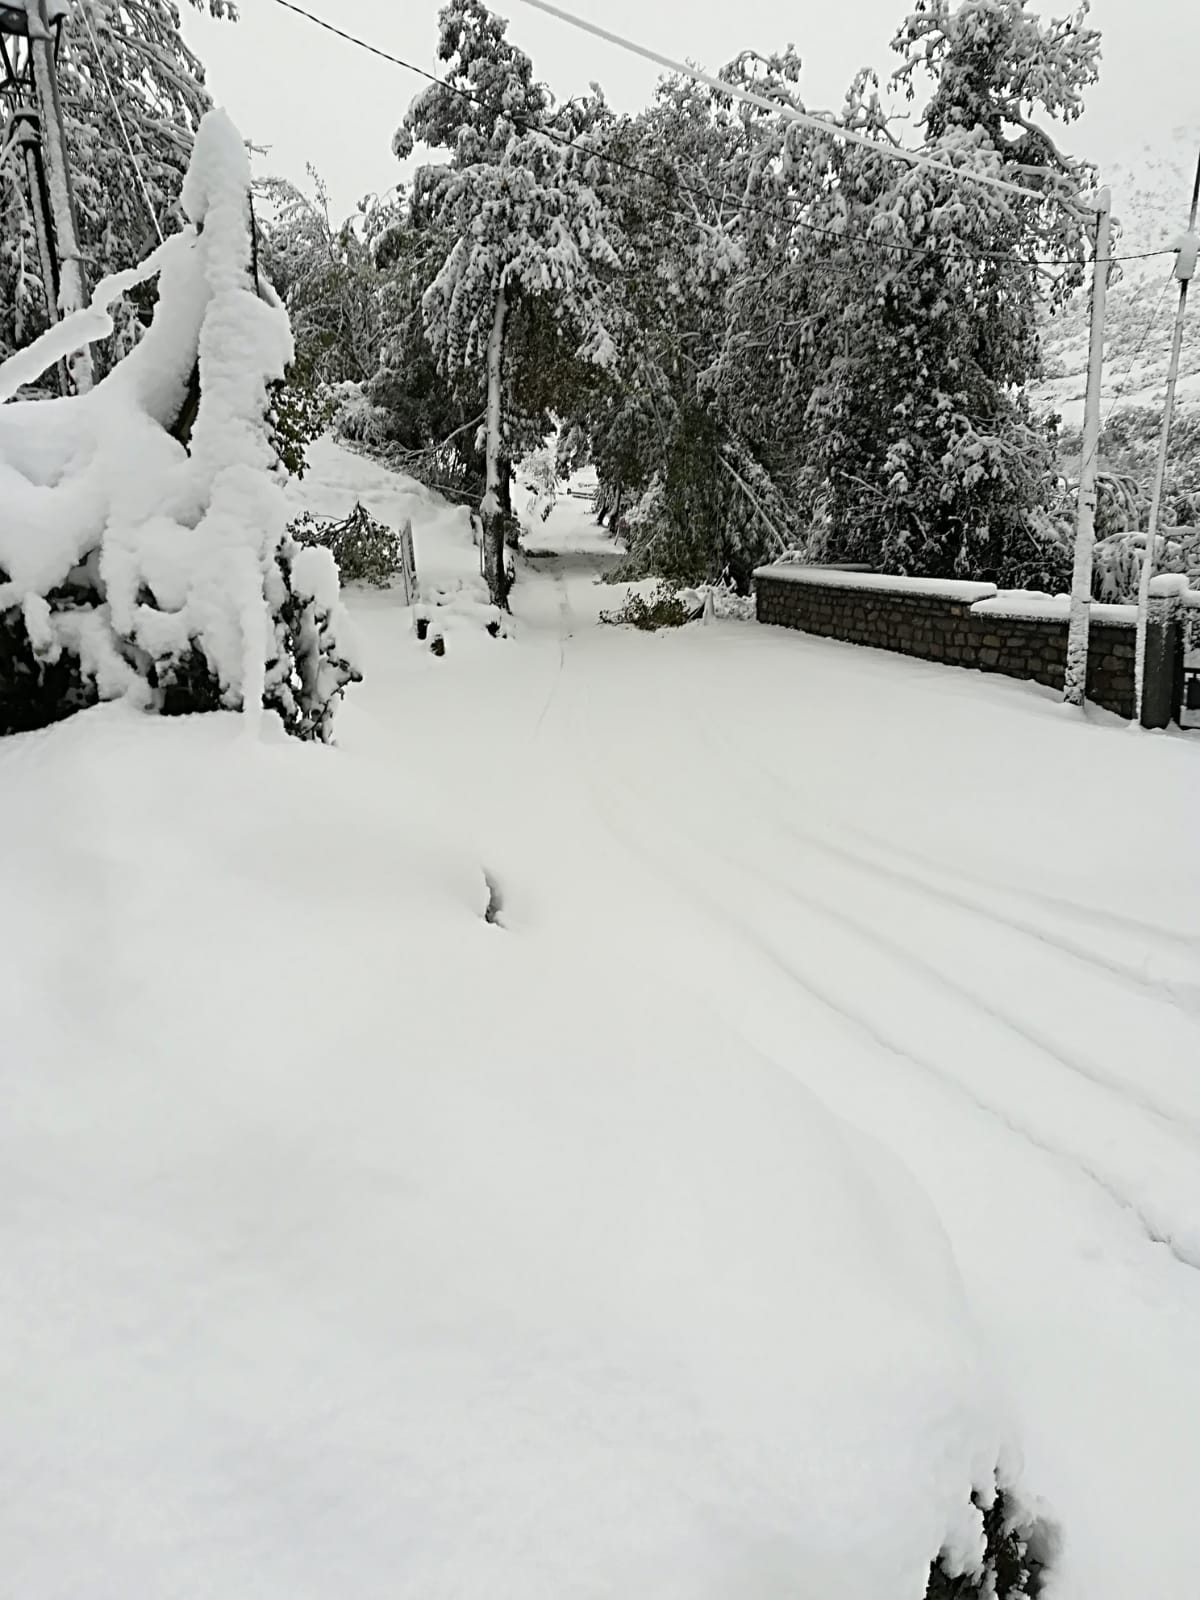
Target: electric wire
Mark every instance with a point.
(673, 181)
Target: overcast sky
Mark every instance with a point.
(314, 98)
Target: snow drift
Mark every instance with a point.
(350, 1247)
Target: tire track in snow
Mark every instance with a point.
(1175, 938)
(1159, 1221)
(1122, 1090)
(1175, 1117)
(1185, 996)
(1185, 1251)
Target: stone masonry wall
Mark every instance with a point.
(947, 630)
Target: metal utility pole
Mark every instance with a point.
(1185, 266)
(1075, 678)
(72, 283)
(29, 35)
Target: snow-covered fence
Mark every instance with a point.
(1017, 634)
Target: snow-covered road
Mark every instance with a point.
(355, 1244)
(928, 895)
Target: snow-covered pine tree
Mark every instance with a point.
(524, 232)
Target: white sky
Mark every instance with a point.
(314, 98)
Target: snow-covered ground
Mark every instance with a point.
(354, 1245)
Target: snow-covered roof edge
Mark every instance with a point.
(835, 578)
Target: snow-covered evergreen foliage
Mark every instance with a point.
(144, 547)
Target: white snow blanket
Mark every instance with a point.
(347, 1240)
(354, 1245)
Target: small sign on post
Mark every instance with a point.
(408, 565)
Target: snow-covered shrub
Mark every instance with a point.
(358, 418)
(1118, 561)
(539, 479)
(662, 608)
(364, 551)
(1012, 1559)
(143, 547)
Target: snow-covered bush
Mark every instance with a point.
(1010, 1565)
(143, 549)
(539, 478)
(364, 551)
(663, 608)
(1118, 561)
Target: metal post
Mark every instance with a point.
(1184, 270)
(23, 134)
(1075, 678)
(72, 283)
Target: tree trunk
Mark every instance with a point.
(512, 528)
(492, 507)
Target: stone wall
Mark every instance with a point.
(957, 624)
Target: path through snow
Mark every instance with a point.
(927, 894)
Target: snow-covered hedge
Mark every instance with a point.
(143, 546)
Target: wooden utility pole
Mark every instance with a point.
(491, 509)
(1185, 266)
(1075, 678)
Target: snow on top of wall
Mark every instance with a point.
(1169, 583)
(1020, 604)
(1029, 606)
(837, 578)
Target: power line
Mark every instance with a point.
(137, 169)
(673, 181)
(1118, 396)
(789, 113)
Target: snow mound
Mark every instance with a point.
(351, 1247)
